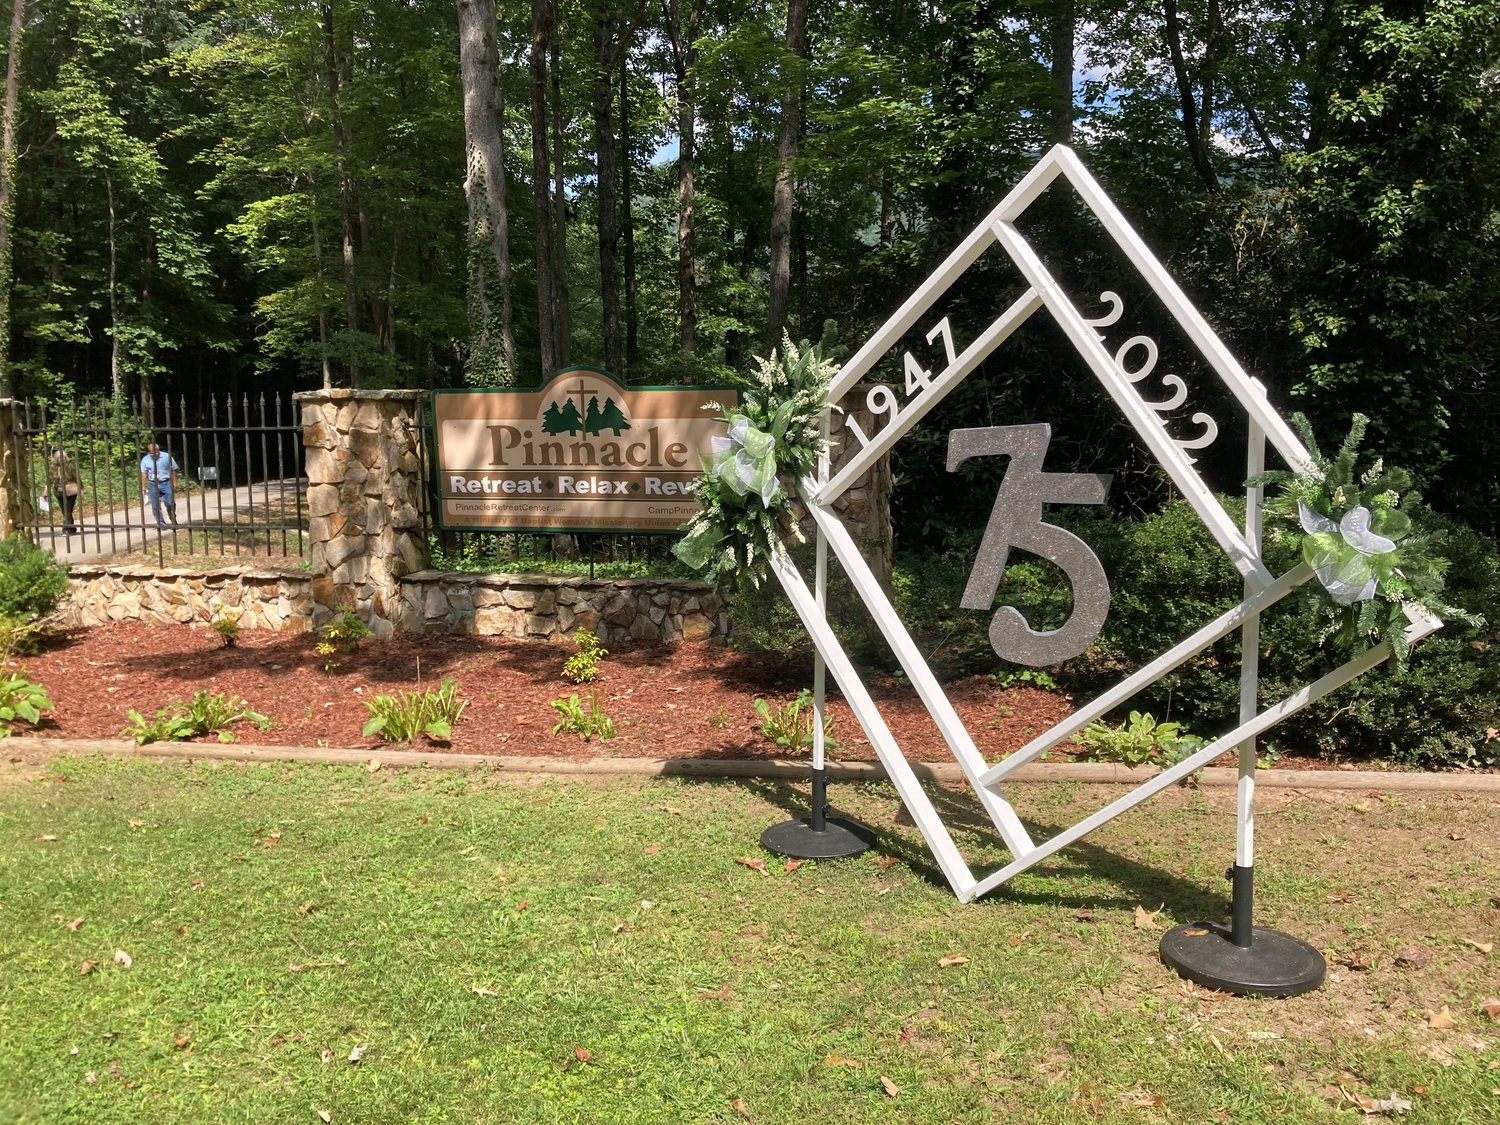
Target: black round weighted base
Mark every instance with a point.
(1274, 964)
(840, 838)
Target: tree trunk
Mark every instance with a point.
(346, 194)
(116, 376)
(560, 204)
(604, 148)
(541, 31)
(1064, 26)
(322, 296)
(683, 38)
(627, 228)
(786, 152)
(1196, 120)
(484, 187)
(7, 180)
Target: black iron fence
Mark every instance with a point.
(240, 489)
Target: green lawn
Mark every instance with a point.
(558, 950)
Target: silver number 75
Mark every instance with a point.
(1016, 521)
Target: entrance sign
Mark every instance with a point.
(1016, 522)
(581, 453)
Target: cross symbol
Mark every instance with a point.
(580, 391)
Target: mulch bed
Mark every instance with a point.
(666, 701)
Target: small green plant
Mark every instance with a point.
(790, 726)
(18, 638)
(21, 700)
(583, 666)
(1139, 741)
(403, 716)
(340, 633)
(228, 628)
(720, 718)
(32, 581)
(208, 713)
(1025, 677)
(586, 724)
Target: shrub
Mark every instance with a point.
(21, 701)
(403, 716)
(208, 713)
(18, 638)
(1138, 741)
(586, 724)
(341, 633)
(790, 726)
(32, 581)
(228, 628)
(583, 666)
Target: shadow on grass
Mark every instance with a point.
(1132, 882)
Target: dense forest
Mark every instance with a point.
(240, 194)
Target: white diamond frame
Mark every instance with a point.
(1242, 545)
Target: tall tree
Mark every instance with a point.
(484, 187)
(542, 30)
(792, 79)
(683, 22)
(346, 192)
(611, 49)
(562, 313)
(7, 178)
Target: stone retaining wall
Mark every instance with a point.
(532, 605)
(263, 598)
(506, 605)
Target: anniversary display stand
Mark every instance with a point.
(1239, 957)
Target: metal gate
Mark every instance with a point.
(240, 489)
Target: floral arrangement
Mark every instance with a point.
(743, 507)
(1359, 533)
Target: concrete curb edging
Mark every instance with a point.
(947, 773)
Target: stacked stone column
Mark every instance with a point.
(364, 497)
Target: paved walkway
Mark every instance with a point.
(133, 528)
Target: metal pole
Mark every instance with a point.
(1242, 902)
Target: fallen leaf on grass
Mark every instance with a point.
(271, 841)
(123, 958)
(47, 839)
(87, 967)
(326, 1055)
(582, 1054)
(952, 959)
(358, 1053)
(181, 1041)
(1144, 921)
(839, 1060)
(754, 863)
(1441, 1020)
(738, 1105)
(1015, 941)
(1262, 1035)
(620, 927)
(1360, 961)
(337, 962)
(75, 924)
(523, 905)
(324, 1116)
(1380, 1106)
(891, 1089)
(373, 765)
(652, 850)
(1414, 956)
(136, 823)
(1490, 1007)
(1084, 915)
(1145, 1101)
(196, 885)
(793, 864)
(720, 993)
(92, 1078)
(477, 991)
(885, 863)
(1482, 946)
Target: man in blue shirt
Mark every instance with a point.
(159, 481)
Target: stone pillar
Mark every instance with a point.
(364, 497)
(16, 502)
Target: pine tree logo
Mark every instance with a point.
(568, 415)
